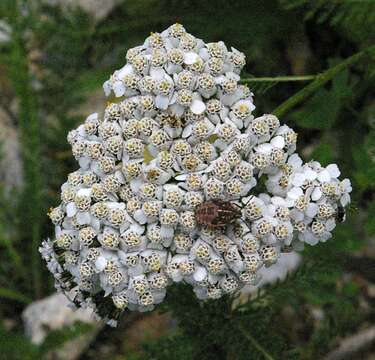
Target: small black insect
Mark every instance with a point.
(340, 214)
(216, 214)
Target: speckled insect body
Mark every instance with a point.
(217, 213)
(340, 214)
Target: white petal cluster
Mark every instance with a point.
(180, 132)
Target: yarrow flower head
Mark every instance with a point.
(166, 186)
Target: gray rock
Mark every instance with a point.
(52, 313)
(10, 153)
(99, 9)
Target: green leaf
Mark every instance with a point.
(350, 289)
(57, 338)
(14, 295)
(321, 80)
(345, 237)
(324, 152)
(364, 175)
(323, 108)
(15, 346)
(355, 17)
(370, 224)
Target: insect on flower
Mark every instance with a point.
(340, 214)
(217, 213)
(153, 149)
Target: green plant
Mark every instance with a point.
(67, 56)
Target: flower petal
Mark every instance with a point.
(190, 58)
(333, 170)
(197, 106)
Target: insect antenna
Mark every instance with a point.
(247, 225)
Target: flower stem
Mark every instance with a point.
(279, 79)
(321, 80)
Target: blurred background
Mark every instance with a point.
(54, 57)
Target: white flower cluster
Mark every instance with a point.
(180, 134)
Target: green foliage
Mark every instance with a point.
(57, 338)
(354, 17)
(216, 330)
(333, 110)
(66, 57)
(324, 152)
(323, 108)
(29, 125)
(43, 120)
(323, 79)
(14, 295)
(365, 175)
(370, 224)
(175, 346)
(248, 33)
(7, 235)
(260, 85)
(15, 346)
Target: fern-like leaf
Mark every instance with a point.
(355, 17)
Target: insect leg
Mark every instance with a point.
(247, 225)
(250, 198)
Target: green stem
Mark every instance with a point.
(31, 206)
(14, 295)
(255, 343)
(320, 80)
(279, 79)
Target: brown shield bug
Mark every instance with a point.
(216, 214)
